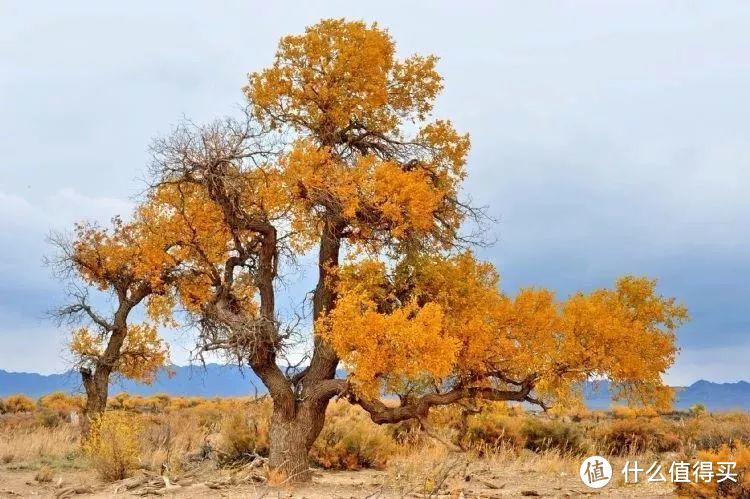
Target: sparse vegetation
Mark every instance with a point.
(112, 445)
(637, 435)
(44, 475)
(350, 441)
(184, 435)
(739, 454)
(19, 403)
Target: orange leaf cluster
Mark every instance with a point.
(448, 313)
(142, 355)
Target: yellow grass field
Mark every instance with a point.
(192, 447)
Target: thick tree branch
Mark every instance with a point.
(418, 407)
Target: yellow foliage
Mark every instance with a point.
(360, 163)
(626, 412)
(19, 403)
(112, 445)
(739, 487)
(340, 87)
(127, 251)
(142, 354)
(341, 70)
(431, 317)
(244, 435)
(62, 402)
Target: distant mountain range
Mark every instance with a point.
(215, 380)
(715, 396)
(212, 381)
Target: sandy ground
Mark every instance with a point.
(485, 483)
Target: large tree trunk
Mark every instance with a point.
(296, 426)
(292, 437)
(96, 385)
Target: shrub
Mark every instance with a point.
(407, 433)
(711, 432)
(635, 436)
(119, 401)
(727, 488)
(698, 409)
(19, 403)
(627, 412)
(488, 431)
(541, 436)
(208, 418)
(44, 475)
(156, 403)
(3, 409)
(429, 473)
(351, 441)
(48, 418)
(244, 437)
(177, 403)
(113, 444)
(61, 402)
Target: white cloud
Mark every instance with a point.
(59, 210)
(723, 364)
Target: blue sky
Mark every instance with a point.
(608, 138)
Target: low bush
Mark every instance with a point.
(351, 441)
(635, 436)
(711, 432)
(490, 431)
(62, 403)
(244, 436)
(627, 412)
(156, 403)
(44, 475)
(738, 488)
(112, 447)
(542, 436)
(48, 418)
(407, 433)
(19, 403)
(118, 402)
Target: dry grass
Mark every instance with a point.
(45, 474)
(24, 441)
(177, 435)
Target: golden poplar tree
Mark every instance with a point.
(338, 156)
(126, 264)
